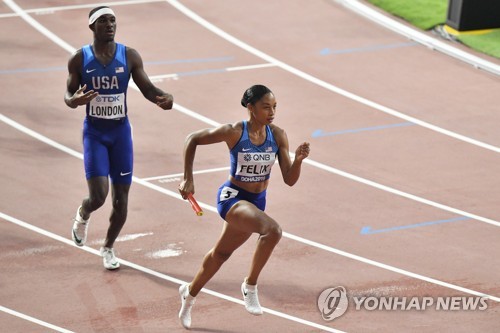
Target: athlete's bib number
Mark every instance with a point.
(227, 193)
(108, 106)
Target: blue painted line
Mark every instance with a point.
(31, 70)
(319, 133)
(160, 62)
(202, 72)
(368, 230)
(327, 51)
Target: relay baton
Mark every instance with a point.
(194, 204)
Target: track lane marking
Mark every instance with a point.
(432, 43)
(33, 319)
(273, 62)
(180, 174)
(285, 234)
(233, 40)
(320, 133)
(50, 10)
(158, 275)
(214, 123)
(207, 120)
(367, 230)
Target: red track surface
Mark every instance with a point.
(45, 277)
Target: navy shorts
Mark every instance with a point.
(229, 194)
(108, 150)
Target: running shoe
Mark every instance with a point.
(109, 259)
(79, 231)
(187, 302)
(251, 298)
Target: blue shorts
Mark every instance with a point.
(229, 194)
(107, 149)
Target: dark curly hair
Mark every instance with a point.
(254, 94)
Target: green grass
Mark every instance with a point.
(426, 14)
(488, 43)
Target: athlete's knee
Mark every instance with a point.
(277, 233)
(120, 192)
(96, 200)
(273, 232)
(120, 200)
(98, 191)
(120, 204)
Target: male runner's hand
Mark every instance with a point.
(81, 98)
(165, 101)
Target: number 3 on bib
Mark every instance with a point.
(227, 193)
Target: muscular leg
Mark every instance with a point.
(98, 191)
(242, 220)
(118, 216)
(249, 218)
(230, 239)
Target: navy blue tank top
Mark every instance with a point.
(110, 81)
(251, 163)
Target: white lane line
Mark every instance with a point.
(160, 275)
(366, 182)
(160, 78)
(401, 193)
(285, 234)
(413, 34)
(221, 33)
(182, 174)
(324, 167)
(244, 68)
(307, 161)
(33, 320)
(50, 10)
(44, 31)
(175, 76)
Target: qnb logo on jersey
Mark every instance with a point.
(332, 303)
(258, 157)
(254, 167)
(108, 106)
(105, 82)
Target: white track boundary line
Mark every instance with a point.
(285, 234)
(182, 174)
(307, 161)
(175, 76)
(50, 10)
(413, 34)
(244, 68)
(198, 19)
(158, 275)
(34, 23)
(211, 122)
(33, 320)
(324, 167)
(401, 193)
(176, 4)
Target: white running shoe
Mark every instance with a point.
(79, 231)
(251, 298)
(187, 302)
(109, 259)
